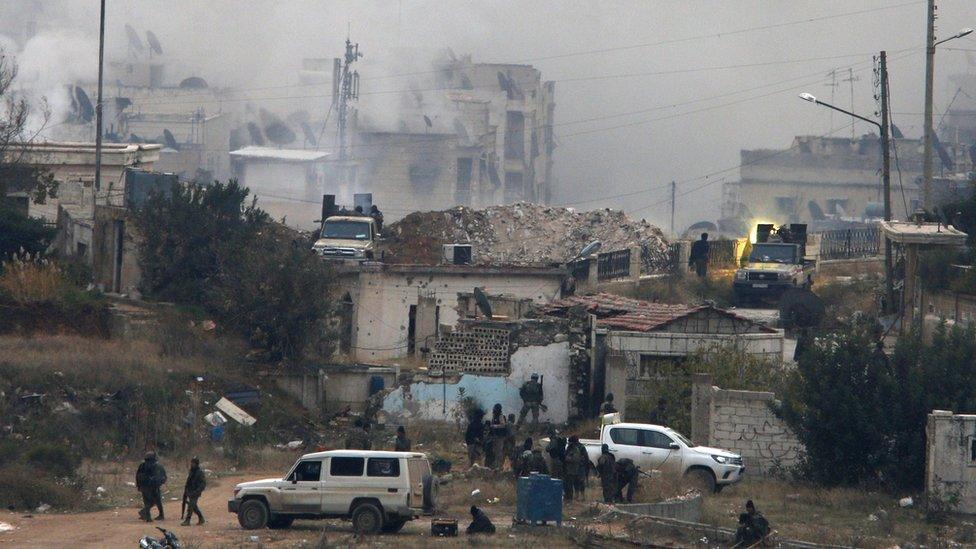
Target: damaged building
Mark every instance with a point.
(483, 136)
(635, 339)
(483, 361)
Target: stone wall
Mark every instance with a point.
(950, 467)
(742, 422)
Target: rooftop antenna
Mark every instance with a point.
(851, 78)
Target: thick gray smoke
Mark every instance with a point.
(682, 101)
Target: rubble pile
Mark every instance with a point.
(520, 234)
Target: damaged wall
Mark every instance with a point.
(742, 422)
(382, 296)
(950, 458)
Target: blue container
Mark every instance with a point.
(540, 500)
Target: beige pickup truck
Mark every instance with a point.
(377, 491)
(347, 237)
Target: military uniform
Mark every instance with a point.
(626, 476)
(474, 439)
(480, 523)
(150, 477)
(574, 477)
(531, 393)
(606, 468)
(401, 444)
(196, 483)
(534, 463)
(607, 408)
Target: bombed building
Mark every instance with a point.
(477, 134)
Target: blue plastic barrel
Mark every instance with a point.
(540, 500)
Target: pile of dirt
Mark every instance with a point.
(520, 234)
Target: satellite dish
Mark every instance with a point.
(309, 134)
(154, 45)
(589, 249)
(801, 308)
(275, 129)
(193, 83)
(170, 140)
(86, 112)
(482, 300)
(256, 137)
(816, 212)
(134, 41)
(427, 120)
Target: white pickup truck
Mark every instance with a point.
(656, 447)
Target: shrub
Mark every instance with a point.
(54, 460)
(27, 279)
(23, 487)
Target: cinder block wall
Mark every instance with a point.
(950, 470)
(742, 422)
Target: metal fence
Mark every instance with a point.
(850, 243)
(580, 269)
(611, 265)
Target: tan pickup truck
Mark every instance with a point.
(377, 491)
(347, 237)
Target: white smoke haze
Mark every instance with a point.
(689, 119)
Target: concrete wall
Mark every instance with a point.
(742, 422)
(306, 387)
(382, 296)
(351, 387)
(104, 251)
(425, 399)
(950, 467)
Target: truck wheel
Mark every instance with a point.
(279, 522)
(253, 514)
(393, 526)
(702, 480)
(367, 519)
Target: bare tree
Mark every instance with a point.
(15, 174)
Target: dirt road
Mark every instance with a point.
(121, 528)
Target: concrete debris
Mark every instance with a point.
(42, 508)
(6, 527)
(906, 502)
(520, 234)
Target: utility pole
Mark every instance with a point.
(929, 78)
(348, 90)
(672, 207)
(98, 109)
(850, 78)
(886, 177)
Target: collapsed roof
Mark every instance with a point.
(520, 234)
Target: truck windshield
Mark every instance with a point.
(772, 253)
(347, 230)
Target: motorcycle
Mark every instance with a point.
(168, 541)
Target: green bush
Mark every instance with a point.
(54, 460)
(24, 488)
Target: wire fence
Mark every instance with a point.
(850, 243)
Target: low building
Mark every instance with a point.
(289, 183)
(73, 167)
(950, 460)
(397, 311)
(635, 339)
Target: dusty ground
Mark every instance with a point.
(120, 527)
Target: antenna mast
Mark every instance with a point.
(348, 90)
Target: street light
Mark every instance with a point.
(885, 163)
(927, 138)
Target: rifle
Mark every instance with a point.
(183, 506)
(541, 405)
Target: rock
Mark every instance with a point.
(906, 502)
(100, 490)
(42, 508)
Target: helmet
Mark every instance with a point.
(534, 376)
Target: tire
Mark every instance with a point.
(367, 519)
(279, 522)
(701, 479)
(393, 526)
(253, 514)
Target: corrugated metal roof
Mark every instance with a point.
(624, 313)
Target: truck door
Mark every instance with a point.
(418, 468)
(302, 489)
(626, 443)
(343, 483)
(657, 451)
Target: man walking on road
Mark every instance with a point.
(150, 477)
(196, 482)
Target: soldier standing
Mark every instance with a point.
(402, 443)
(557, 455)
(535, 463)
(499, 433)
(474, 436)
(508, 446)
(531, 393)
(699, 256)
(607, 407)
(150, 477)
(358, 437)
(658, 414)
(606, 468)
(574, 478)
(196, 482)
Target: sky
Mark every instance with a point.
(647, 91)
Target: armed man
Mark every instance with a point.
(699, 256)
(606, 468)
(626, 476)
(150, 477)
(196, 482)
(607, 407)
(358, 437)
(531, 394)
(574, 477)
